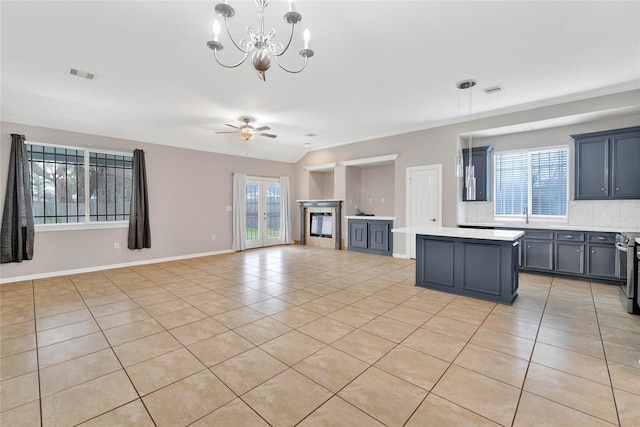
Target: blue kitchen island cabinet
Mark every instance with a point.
(480, 264)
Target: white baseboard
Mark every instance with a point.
(109, 267)
(396, 255)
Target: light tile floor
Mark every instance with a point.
(295, 335)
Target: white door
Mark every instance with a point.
(424, 200)
(262, 212)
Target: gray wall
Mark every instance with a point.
(440, 145)
(188, 195)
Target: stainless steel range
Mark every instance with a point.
(628, 271)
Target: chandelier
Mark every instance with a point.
(259, 44)
(469, 172)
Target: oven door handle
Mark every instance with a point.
(622, 247)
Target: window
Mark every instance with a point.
(65, 181)
(533, 179)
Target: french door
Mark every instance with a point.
(262, 212)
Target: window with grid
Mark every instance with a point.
(535, 179)
(78, 186)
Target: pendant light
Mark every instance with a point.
(469, 172)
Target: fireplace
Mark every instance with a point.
(321, 223)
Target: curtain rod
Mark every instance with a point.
(80, 146)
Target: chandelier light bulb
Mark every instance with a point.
(215, 27)
(307, 36)
(290, 5)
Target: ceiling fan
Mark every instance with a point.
(247, 132)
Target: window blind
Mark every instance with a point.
(537, 179)
(512, 183)
(549, 182)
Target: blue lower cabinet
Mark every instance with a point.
(484, 269)
(370, 236)
(358, 234)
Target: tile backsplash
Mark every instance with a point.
(604, 213)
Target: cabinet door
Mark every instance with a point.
(358, 234)
(569, 257)
(538, 254)
(379, 235)
(601, 260)
(625, 166)
(592, 168)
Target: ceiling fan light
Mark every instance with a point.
(247, 135)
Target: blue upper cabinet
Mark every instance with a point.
(607, 164)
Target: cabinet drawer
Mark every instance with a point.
(569, 236)
(539, 234)
(602, 238)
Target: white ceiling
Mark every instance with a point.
(380, 67)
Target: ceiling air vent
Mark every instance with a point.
(493, 89)
(82, 74)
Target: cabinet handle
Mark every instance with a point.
(617, 188)
(577, 250)
(593, 252)
(569, 236)
(602, 189)
(529, 247)
(602, 238)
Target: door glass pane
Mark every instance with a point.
(252, 218)
(273, 211)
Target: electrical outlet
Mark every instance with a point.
(213, 237)
(229, 209)
(116, 245)
(382, 200)
(370, 200)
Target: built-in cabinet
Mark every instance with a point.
(606, 164)
(370, 236)
(481, 160)
(569, 252)
(538, 250)
(601, 255)
(586, 254)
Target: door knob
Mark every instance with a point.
(432, 220)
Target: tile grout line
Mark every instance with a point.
(35, 332)
(533, 349)
(604, 350)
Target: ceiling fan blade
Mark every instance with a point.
(225, 132)
(268, 135)
(261, 128)
(235, 127)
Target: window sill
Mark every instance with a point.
(80, 226)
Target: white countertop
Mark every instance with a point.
(466, 233)
(547, 226)
(381, 218)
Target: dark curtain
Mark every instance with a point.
(17, 234)
(139, 231)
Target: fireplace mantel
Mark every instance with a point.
(324, 203)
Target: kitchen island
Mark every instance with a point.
(476, 263)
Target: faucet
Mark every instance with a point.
(525, 211)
